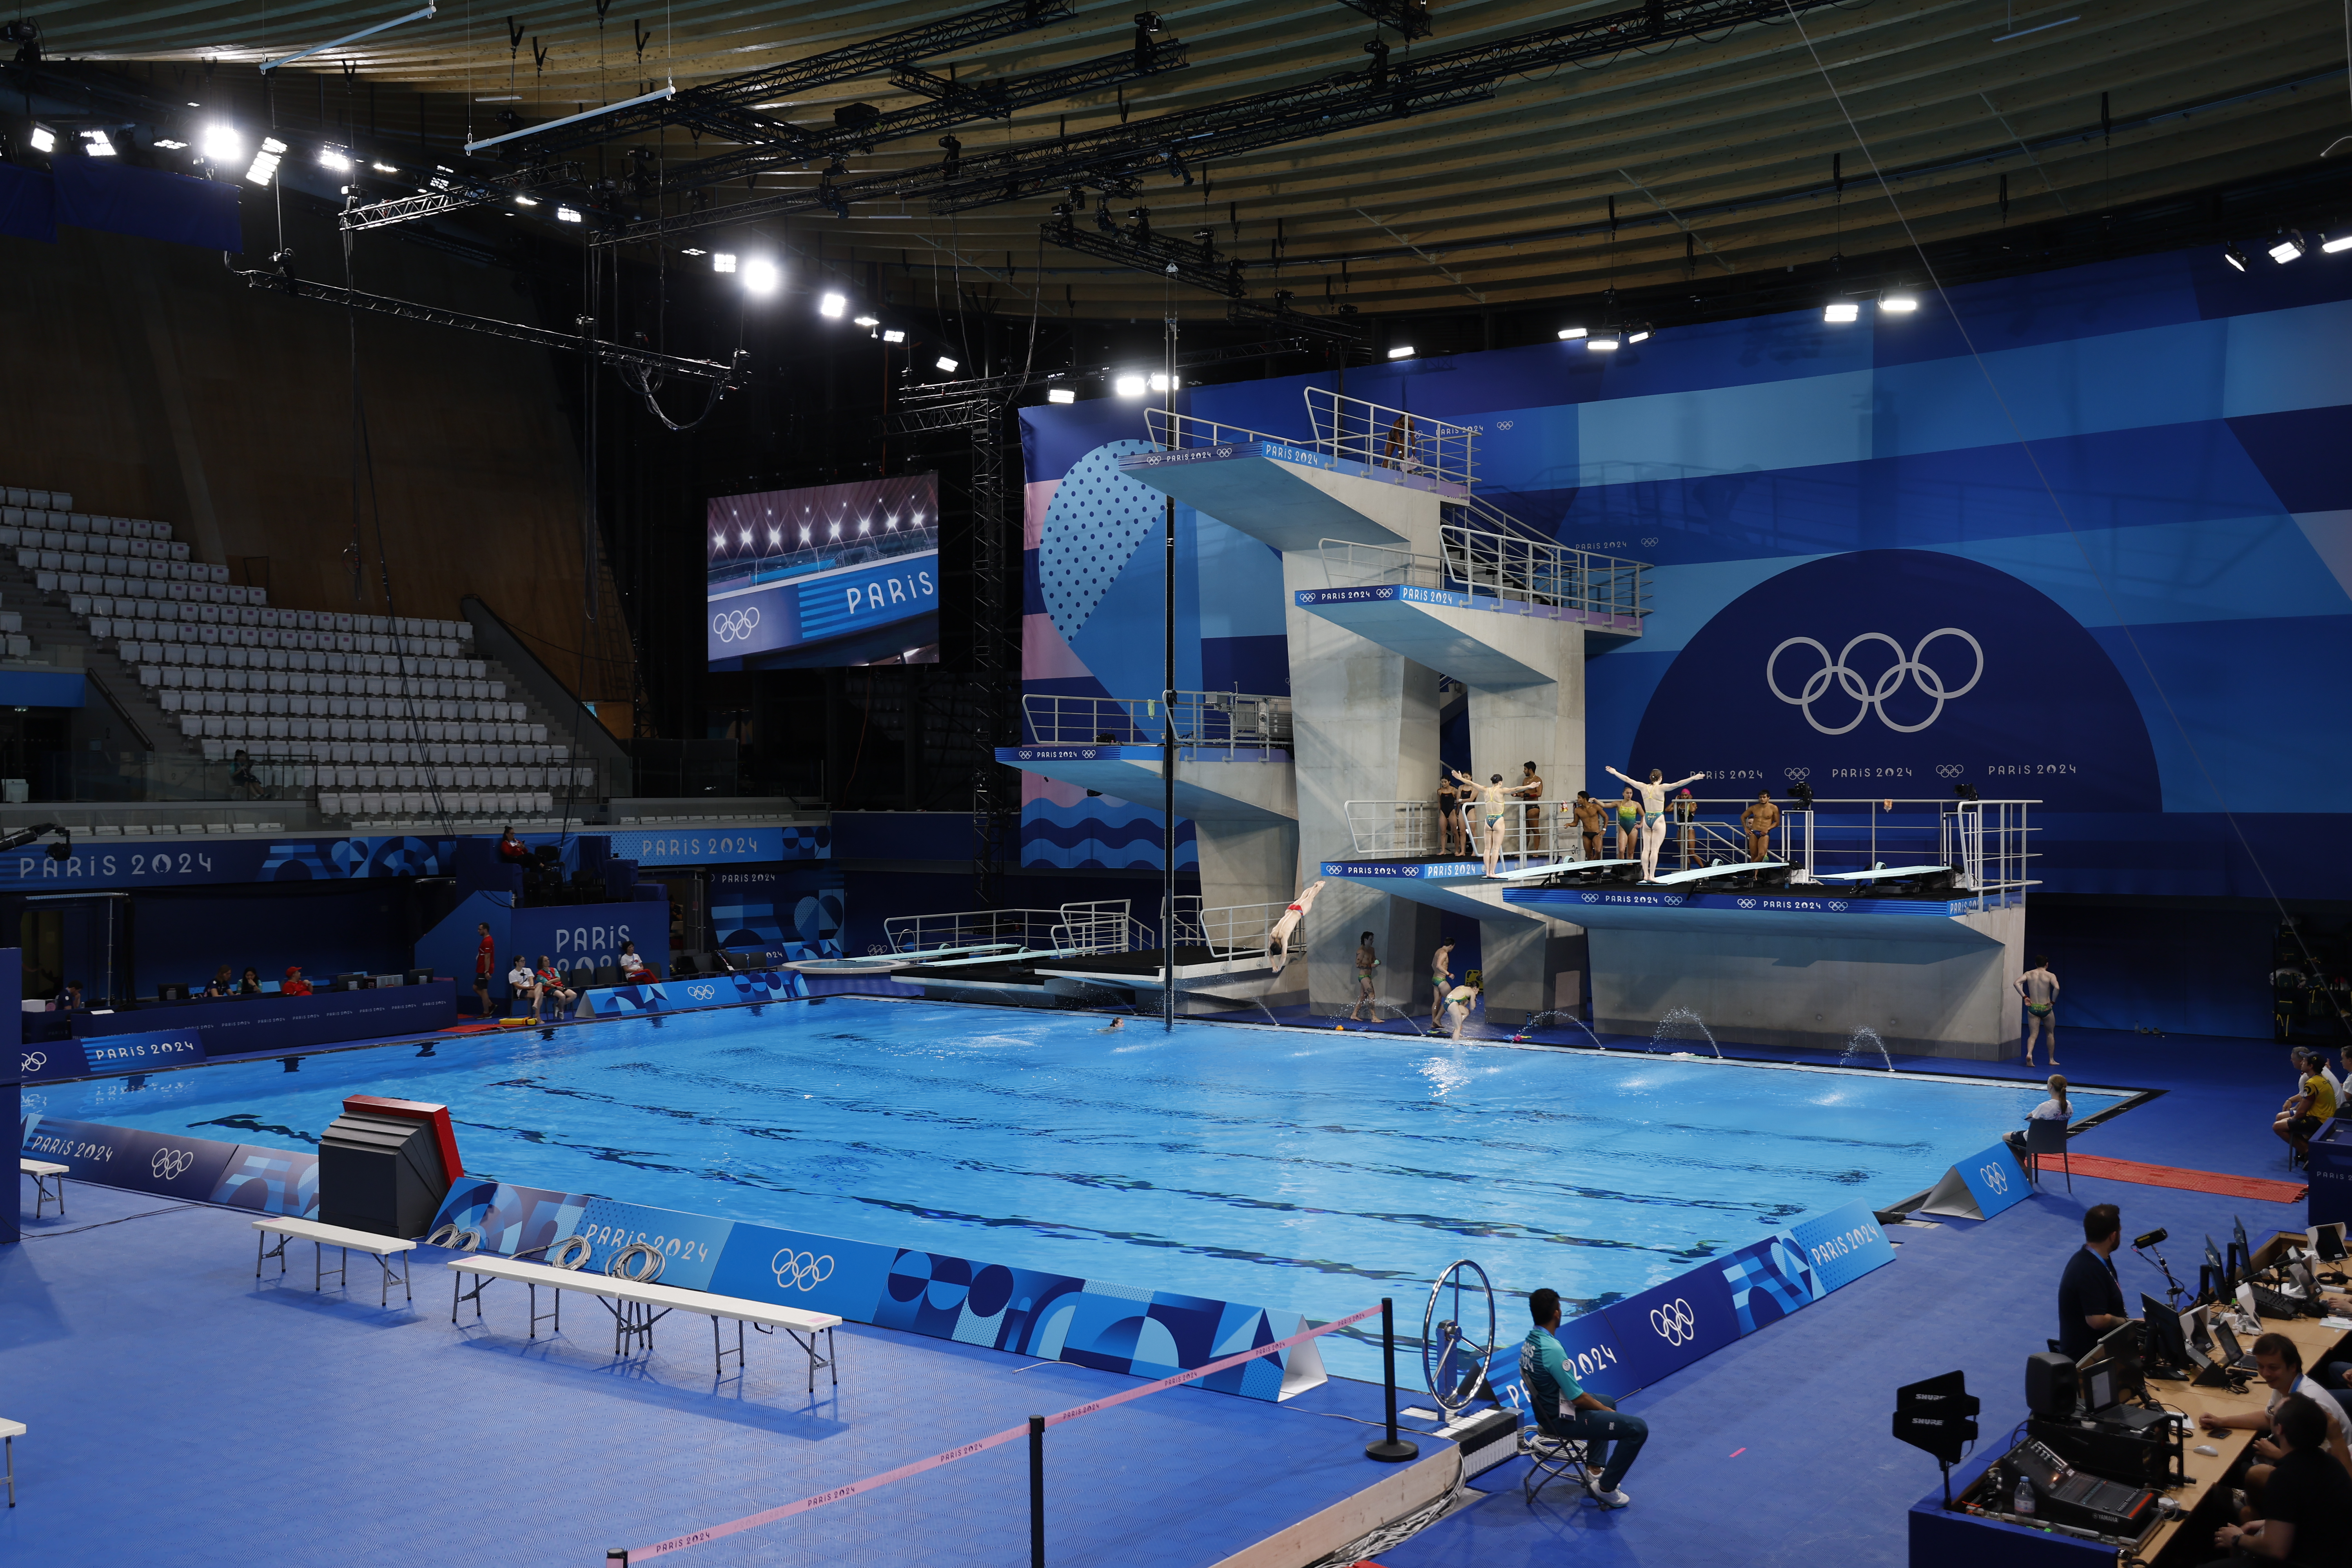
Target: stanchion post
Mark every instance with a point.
(1036, 1491)
(1392, 1449)
(616, 1557)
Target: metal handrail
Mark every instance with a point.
(1380, 437)
(1505, 569)
(1171, 431)
(1202, 719)
(1414, 830)
(1101, 927)
(970, 927)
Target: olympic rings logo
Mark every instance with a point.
(35, 1061)
(171, 1164)
(1837, 906)
(801, 1270)
(1995, 1177)
(1949, 770)
(1746, 903)
(701, 992)
(735, 625)
(1675, 1322)
(1797, 772)
(1873, 696)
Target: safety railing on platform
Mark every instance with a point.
(1423, 830)
(1102, 927)
(1240, 930)
(1211, 720)
(1508, 570)
(1171, 431)
(1033, 930)
(1355, 430)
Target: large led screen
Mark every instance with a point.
(832, 574)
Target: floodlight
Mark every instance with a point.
(2332, 246)
(168, 144)
(2235, 258)
(1901, 304)
(1403, 352)
(2287, 249)
(1638, 332)
(1842, 311)
(98, 146)
(694, 250)
(1570, 334)
(723, 261)
(44, 138)
(761, 276)
(893, 335)
(868, 321)
(567, 215)
(263, 168)
(831, 306)
(1158, 381)
(335, 158)
(1603, 341)
(222, 144)
(1060, 395)
(526, 200)
(384, 168)
(947, 364)
(1129, 386)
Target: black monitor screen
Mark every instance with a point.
(2331, 1243)
(2165, 1343)
(2213, 1260)
(2117, 1354)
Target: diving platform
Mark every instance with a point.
(1213, 784)
(1290, 496)
(1455, 887)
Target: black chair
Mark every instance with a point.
(583, 975)
(608, 975)
(2047, 1136)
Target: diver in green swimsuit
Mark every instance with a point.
(1441, 981)
(1366, 962)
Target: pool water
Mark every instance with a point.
(1288, 1168)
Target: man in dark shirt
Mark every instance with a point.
(2307, 1503)
(2090, 1301)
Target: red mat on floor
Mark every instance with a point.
(2260, 1187)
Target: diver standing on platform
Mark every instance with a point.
(1758, 821)
(1653, 815)
(1492, 808)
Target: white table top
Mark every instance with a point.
(41, 1168)
(650, 1295)
(12, 1428)
(335, 1235)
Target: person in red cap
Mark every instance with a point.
(295, 985)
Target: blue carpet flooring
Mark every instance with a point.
(179, 1414)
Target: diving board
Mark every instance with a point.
(1883, 873)
(1707, 873)
(884, 963)
(1563, 868)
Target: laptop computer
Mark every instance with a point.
(2228, 1353)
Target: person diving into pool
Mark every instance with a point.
(1277, 942)
(1653, 815)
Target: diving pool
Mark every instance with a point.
(1285, 1167)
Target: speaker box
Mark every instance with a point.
(2051, 1387)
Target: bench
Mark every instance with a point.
(43, 1173)
(9, 1432)
(636, 1306)
(382, 1248)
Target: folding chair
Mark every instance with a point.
(1550, 1458)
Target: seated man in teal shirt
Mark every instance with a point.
(1563, 1409)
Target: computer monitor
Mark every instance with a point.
(2099, 1388)
(2213, 1261)
(2118, 1352)
(2242, 1255)
(2327, 1240)
(2168, 1345)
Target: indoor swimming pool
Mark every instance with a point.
(1290, 1168)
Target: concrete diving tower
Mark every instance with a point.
(1395, 572)
(1235, 781)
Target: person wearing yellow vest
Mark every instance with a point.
(2309, 1112)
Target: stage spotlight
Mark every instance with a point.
(96, 144)
(567, 215)
(1403, 352)
(947, 364)
(2332, 246)
(1060, 395)
(1570, 334)
(1901, 304)
(893, 335)
(384, 168)
(831, 306)
(263, 168)
(335, 158)
(1129, 386)
(2235, 258)
(868, 322)
(44, 138)
(1637, 332)
(723, 262)
(526, 200)
(222, 144)
(694, 250)
(1604, 341)
(2288, 249)
(168, 144)
(1158, 381)
(761, 276)
(1840, 312)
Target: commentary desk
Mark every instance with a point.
(1941, 1540)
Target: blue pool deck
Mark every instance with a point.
(179, 1414)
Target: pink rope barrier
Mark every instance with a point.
(965, 1451)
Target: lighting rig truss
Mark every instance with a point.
(952, 103)
(729, 373)
(454, 192)
(1118, 159)
(726, 107)
(1409, 17)
(1196, 261)
(955, 404)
